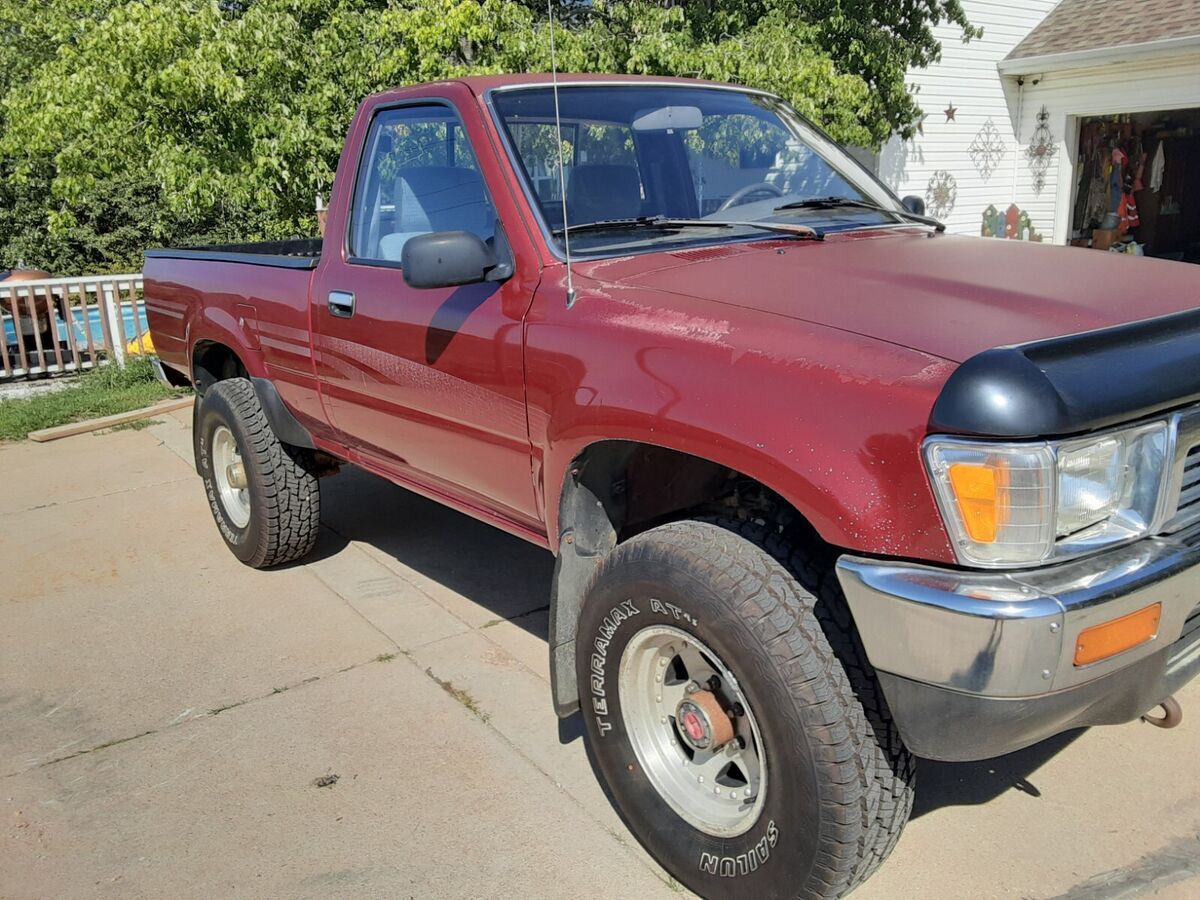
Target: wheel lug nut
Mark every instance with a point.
(716, 790)
(714, 683)
(738, 710)
(748, 792)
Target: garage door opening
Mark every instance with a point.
(1138, 184)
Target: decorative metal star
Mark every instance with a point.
(950, 111)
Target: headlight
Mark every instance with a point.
(1023, 503)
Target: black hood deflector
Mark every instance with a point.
(1077, 383)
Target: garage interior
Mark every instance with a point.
(1137, 188)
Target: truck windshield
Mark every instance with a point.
(637, 151)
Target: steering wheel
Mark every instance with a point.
(739, 196)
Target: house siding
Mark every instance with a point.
(967, 76)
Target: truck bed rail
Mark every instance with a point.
(297, 253)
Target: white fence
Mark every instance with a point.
(69, 324)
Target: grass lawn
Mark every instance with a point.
(98, 392)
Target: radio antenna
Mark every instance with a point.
(562, 176)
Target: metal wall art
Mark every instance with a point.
(987, 149)
(940, 194)
(1040, 151)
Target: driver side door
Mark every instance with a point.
(424, 385)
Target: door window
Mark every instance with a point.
(417, 175)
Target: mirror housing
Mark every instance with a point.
(914, 204)
(449, 259)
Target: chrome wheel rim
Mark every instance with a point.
(667, 691)
(229, 474)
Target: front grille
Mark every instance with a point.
(1187, 510)
(1189, 489)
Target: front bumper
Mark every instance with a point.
(977, 664)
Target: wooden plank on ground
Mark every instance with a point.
(62, 431)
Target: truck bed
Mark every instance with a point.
(252, 296)
(296, 253)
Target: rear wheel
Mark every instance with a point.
(264, 495)
(729, 728)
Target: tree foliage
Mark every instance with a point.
(126, 123)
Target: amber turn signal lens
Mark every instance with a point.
(976, 490)
(1103, 641)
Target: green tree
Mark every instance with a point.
(136, 122)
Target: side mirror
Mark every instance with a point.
(914, 204)
(448, 259)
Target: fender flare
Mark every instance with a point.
(285, 425)
(587, 537)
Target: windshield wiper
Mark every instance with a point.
(835, 202)
(666, 223)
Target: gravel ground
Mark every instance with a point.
(17, 390)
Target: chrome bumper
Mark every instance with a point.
(1007, 640)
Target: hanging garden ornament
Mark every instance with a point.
(1040, 151)
(950, 111)
(940, 194)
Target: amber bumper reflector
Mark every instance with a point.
(1103, 641)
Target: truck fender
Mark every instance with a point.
(218, 326)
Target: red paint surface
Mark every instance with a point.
(810, 366)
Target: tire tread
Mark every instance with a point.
(291, 498)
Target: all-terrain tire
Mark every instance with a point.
(892, 767)
(284, 493)
(839, 782)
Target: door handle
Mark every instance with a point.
(341, 304)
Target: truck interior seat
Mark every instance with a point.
(437, 198)
(598, 192)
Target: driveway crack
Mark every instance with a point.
(215, 711)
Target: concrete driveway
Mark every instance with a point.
(377, 722)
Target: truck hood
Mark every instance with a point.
(948, 296)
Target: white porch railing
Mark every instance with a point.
(69, 324)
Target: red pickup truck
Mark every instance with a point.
(828, 488)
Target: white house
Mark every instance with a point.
(1055, 118)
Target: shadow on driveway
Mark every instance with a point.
(504, 574)
(511, 578)
(942, 784)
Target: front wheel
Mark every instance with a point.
(734, 739)
(263, 494)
